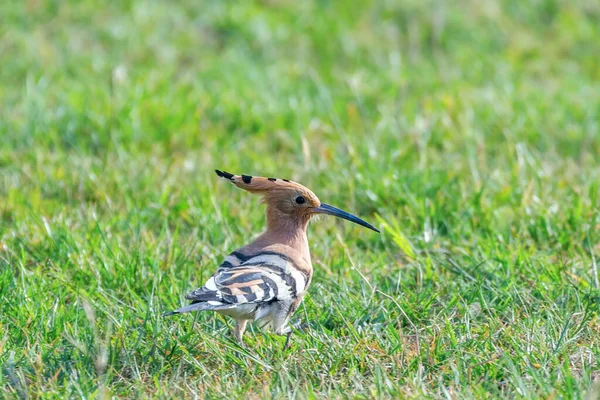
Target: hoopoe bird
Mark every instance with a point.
(266, 280)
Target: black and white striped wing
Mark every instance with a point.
(247, 285)
(236, 286)
(258, 278)
(289, 279)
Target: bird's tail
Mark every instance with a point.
(168, 314)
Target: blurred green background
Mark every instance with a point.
(467, 130)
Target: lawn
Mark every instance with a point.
(467, 131)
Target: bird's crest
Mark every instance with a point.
(258, 184)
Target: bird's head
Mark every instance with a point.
(286, 199)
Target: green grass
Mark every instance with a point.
(468, 129)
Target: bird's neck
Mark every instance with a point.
(286, 230)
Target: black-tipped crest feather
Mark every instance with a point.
(224, 174)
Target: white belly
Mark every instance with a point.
(272, 316)
(243, 311)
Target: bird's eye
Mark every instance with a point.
(300, 200)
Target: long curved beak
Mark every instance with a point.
(331, 210)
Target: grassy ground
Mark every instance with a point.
(468, 129)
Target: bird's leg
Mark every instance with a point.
(287, 341)
(281, 326)
(287, 331)
(238, 332)
(298, 326)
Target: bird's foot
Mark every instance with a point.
(299, 326)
